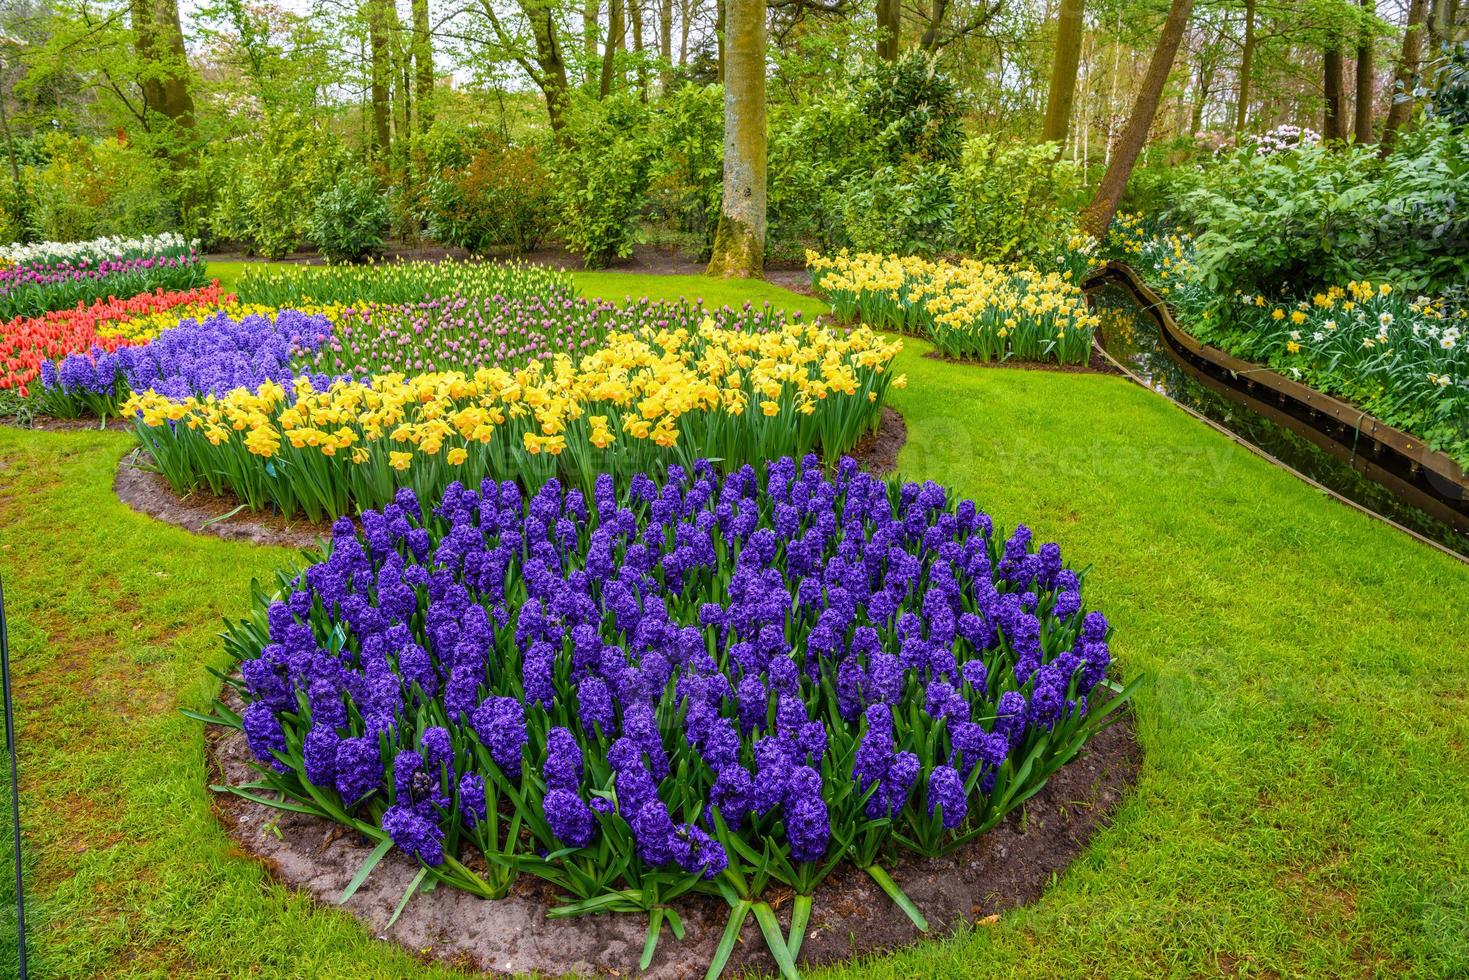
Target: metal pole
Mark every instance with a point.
(20, 904)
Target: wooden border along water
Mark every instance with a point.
(1419, 476)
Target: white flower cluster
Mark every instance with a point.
(46, 253)
(1286, 137)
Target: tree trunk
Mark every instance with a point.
(1366, 84)
(686, 10)
(1062, 94)
(889, 27)
(1246, 67)
(591, 16)
(158, 39)
(381, 76)
(1099, 214)
(178, 105)
(937, 11)
(550, 60)
(616, 37)
(423, 64)
(721, 16)
(739, 242)
(1333, 126)
(1407, 74)
(636, 8)
(665, 44)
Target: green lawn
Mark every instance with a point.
(1301, 810)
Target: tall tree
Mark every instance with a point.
(1246, 68)
(591, 22)
(1130, 145)
(1333, 124)
(1406, 78)
(739, 241)
(1064, 63)
(616, 38)
(546, 65)
(159, 40)
(665, 44)
(635, 7)
(1366, 82)
(380, 75)
(423, 64)
(889, 28)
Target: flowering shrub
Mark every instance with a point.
(711, 686)
(972, 309)
(648, 397)
(25, 342)
(37, 288)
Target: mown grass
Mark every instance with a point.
(1301, 809)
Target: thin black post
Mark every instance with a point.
(20, 902)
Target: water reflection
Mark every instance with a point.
(1131, 334)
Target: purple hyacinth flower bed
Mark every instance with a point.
(712, 684)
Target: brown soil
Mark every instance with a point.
(1008, 867)
(147, 492)
(48, 424)
(1097, 363)
(877, 453)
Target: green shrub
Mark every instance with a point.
(1304, 219)
(907, 209)
(688, 165)
(1014, 201)
(502, 196)
(349, 218)
(915, 108)
(89, 188)
(814, 148)
(601, 171)
(262, 182)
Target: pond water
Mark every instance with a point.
(1132, 335)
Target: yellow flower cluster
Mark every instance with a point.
(1165, 259)
(968, 308)
(144, 328)
(640, 387)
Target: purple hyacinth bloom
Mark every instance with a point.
(563, 766)
(571, 820)
(264, 735)
(946, 790)
(500, 724)
(417, 834)
(319, 754)
(594, 706)
(472, 798)
(359, 768)
(808, 823)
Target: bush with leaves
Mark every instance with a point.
(814, 147)
(348, 219)
(688, 167)
(502, 196)
(1297, 221)
(262, 182)
(908, 209)
(915, 107)
(88, 188)
(601, 169)
(1014, 201)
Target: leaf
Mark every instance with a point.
(403, 902)
(650, 943)
(732, 927)
(800, 919)
(899, 897)
(378, 853)
(770, 927)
